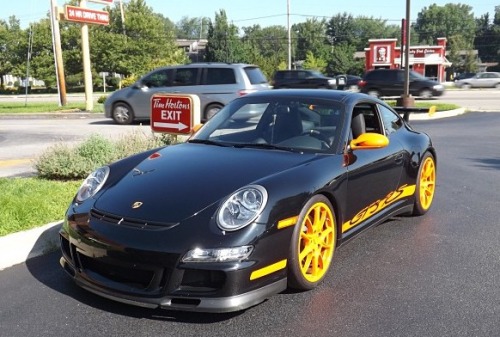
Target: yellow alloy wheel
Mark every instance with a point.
(426, 185)
(314, 244)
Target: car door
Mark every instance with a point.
(394, 83)
(373, 175)
(140, 97)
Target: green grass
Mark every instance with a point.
(27, 203)
(40, 107)
(427, 104)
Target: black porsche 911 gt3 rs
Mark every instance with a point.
(254, 202)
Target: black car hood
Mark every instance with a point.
(183, 179)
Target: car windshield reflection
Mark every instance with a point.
(297, 124)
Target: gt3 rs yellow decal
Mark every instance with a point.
(268, 270)
(402, 192)
(287, 222)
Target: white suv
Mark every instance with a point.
(215, 83)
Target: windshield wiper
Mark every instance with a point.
(266, 146)
(207, 142)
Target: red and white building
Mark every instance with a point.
(429, 61)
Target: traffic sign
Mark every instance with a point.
(174, 113)
(102, 1)
(86, 15)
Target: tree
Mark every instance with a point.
(311, 37)
(315, 63)
(461, 55)
(147, 42)
(192, 28)
(342, 60)
(267, 47)
(445, 21)
(224, 44)
(10, 38)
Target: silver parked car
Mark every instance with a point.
(216, 84)
(488, 79)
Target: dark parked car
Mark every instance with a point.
(351, 82)
(308, 171)
(301, 79)
(390, 82)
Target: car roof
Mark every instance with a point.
(347, 97)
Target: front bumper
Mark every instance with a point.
(134, 267)
(193, 303)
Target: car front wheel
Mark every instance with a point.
(122, 113)
(426, 185)
(313, 244)
(373, 93)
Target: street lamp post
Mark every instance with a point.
(406, 100)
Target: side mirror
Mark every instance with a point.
(368, 141)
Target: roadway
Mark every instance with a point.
(435, 275)
(22, 140)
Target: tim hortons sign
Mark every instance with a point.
(174, 114)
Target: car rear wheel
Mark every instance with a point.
(313, 244)
(466, 86)
(426, 185)
(122, 113)
(212, 110)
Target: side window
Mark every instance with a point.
(160, 78)
(186, 76)
(365, 119)
(220, 76)
(392, 121)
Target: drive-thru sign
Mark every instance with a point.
(174, 113)
(86, 15)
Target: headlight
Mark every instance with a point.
(218, 255)
(242, 207)
(92, 184)
(438, 87)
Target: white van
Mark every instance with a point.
(215, 83)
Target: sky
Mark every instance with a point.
(249, 13)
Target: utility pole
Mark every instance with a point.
(406, 100)
(58, 59)
(87, 71)
(289, 35)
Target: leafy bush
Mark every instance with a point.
(128, 81)
(101, 99)
(65, 162)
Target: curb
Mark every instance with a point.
(437, 114)
(21, 246)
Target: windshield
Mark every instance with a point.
(286, 123)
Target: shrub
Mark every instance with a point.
(101, 99)
(129, 80)
(69, 162)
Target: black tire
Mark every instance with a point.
(425, 185)
(314, 237)
(425, 93)
(211, 110)
(373, 93)
(122, 113)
